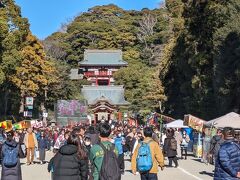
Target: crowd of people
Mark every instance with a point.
(98, 152)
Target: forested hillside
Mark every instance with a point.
(141, 35)
(184, 54)
(203, 67)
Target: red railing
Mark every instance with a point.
(100, 73)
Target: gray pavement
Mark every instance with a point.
(191, 169)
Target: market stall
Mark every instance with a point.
(22, 125)
(197, 124)
(7, 125)
(176, 124)
(228, 120)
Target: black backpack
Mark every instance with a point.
(110, 169)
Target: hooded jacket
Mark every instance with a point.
(68, 166)
(13, 173)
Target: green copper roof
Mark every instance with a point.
(114, 94)
(103, 57)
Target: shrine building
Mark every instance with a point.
(103, 97)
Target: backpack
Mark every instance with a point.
(10, 156)
(173, 144)
(110, 169)
(144, 158)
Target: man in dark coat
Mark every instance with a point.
(227, 165)
(11, 173)
(215, 144)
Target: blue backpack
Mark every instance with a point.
(144, 158)
(10, 156)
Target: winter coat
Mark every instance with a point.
(13, 173)
(67, 165)
(166, 148)
(42, 143)
(228, 161)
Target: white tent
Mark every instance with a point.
(229, 120)
(176, 124)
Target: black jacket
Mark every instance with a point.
(13, 173)
(67, 165)
(166, 148)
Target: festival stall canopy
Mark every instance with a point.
(229, 120)
(176, 124)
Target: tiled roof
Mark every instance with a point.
(103, 57)
(114, 94)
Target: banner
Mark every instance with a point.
(193, 122)
(36, 124)
(7, 125)
(69, 112)
(22, 125)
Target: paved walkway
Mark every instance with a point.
(191, 169)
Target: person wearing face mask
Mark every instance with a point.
(119, 142)
(87, 147)
(184, 144)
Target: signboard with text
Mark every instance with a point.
(29, 101)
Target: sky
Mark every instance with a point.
(46, 16)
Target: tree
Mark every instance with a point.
(13, 31)
(35, 72)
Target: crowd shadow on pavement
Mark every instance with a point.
(197, 159)
(206, 173)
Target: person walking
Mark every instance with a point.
(98, 153)
(178, 138)
(170, 148)
(31, 144)
(119, 142)
(70, 162)
(60, 141)
(42, 146)
(184, 144)
(215, 144)
(155, 153)
(227, 166)
(22, 146)
(11, 167)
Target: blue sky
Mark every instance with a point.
(46, 16)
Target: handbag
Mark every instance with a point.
(37, 154)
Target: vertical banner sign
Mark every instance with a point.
(28, 106)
